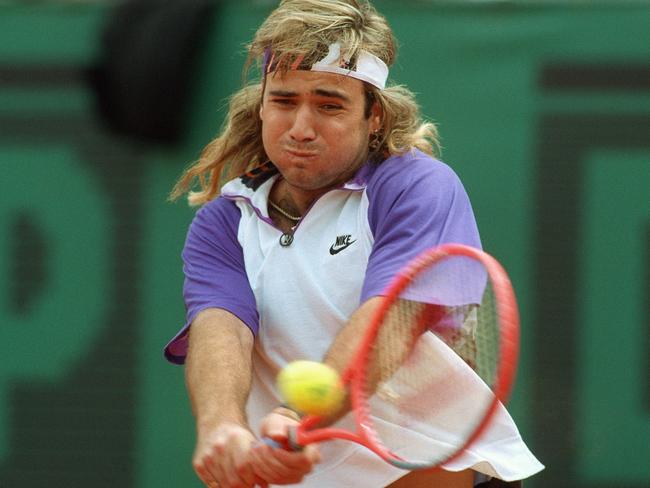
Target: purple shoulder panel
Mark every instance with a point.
(215, 273)
(415, 203)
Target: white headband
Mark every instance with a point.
(369, 68)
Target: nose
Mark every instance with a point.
(303, 127)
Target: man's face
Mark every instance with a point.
(314, 127)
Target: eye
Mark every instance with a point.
(331, 107)
(282, 101)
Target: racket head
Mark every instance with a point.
(438, 358)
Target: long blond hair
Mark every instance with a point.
(306, 29)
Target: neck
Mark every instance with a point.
(292, 200)
(283, 212)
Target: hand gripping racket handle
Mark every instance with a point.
(288, 444)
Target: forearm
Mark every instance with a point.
(219, 368)
(391, 346)
(347, 341)
(345, 346)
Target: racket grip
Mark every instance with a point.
(288, 444)
(277, 444)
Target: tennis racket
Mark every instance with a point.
(437, 361)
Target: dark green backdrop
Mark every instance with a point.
(544, 112)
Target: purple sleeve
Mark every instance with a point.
(215, 274)
(415, 203)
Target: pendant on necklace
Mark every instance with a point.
(286, 239)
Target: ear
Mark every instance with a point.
(376, 116)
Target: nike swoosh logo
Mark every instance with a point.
(335, 250)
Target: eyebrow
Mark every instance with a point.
(331, 94)
(318, 91)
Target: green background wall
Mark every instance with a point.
(544, 111)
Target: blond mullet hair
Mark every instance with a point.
(304, 29)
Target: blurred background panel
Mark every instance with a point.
(544, 111)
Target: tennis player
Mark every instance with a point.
(320, 187)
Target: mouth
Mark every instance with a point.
(300, 154)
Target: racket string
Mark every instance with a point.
(422, 355)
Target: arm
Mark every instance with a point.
(346, 344)
(218, 376)
(401, 326)
(347, 340)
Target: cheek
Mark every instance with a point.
(269, 135)
(350, 132)
(351, 138)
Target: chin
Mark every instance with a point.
(303, 181)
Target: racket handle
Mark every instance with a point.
(277, 444)
(288, 444)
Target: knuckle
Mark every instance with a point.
(217, 449)
(199, 467)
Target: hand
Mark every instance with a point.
(279, 466)
(222, 457)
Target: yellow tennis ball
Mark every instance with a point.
(311, 388)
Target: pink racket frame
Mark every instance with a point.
(354, 375)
